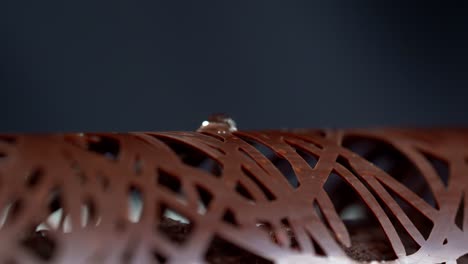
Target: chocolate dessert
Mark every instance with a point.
(220, 195)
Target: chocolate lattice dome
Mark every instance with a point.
(225, 196)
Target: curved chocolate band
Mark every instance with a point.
(299, 196)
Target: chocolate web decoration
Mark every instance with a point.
(273, 196)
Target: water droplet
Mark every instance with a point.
(220, 123)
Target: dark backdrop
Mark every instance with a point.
(166, 65)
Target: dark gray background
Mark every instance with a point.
(166, 65)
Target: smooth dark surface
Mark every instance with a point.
(154, 65)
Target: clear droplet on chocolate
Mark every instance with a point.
(219, 123)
